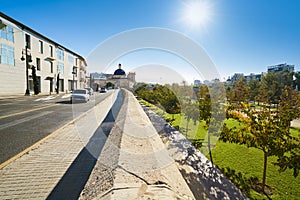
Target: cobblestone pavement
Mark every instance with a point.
(37, 173)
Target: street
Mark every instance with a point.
(26, 120)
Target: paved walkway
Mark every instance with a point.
(144, 169)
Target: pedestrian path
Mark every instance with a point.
(144, 169)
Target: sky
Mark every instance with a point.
(237, 36)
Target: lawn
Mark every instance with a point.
(242, 164)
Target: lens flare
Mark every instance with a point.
(196, 13)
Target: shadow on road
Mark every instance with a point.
(64, 102)
(75, 178)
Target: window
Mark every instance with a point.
(60, 67)
(51, 51)
(38, 64)
(70, 70)
(7, 33)
(41, 46)
(7, 55)
(60, 54)
(27, 41)
(71, 59)
(51, 67)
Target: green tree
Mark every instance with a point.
(272, 86)
(267, 131)
(253, 86)
(110, 84)
(191, 111)
(240, 91)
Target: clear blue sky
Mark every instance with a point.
(240, 36)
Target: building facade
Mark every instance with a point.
(119, 79)
(58, 69)
(281, 67)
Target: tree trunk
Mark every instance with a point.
(265, 171)
(209, 149)
(187, 127)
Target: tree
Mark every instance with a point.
(272, 86)
(191, 111)
(211, 101)
(267, 131)
(253, 86)
(240, 92)
(110, 84)
(288, 111)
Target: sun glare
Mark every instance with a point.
(196, 13)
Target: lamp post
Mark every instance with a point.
(27, 59)
(74, 72)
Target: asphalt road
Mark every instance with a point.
(26, 120)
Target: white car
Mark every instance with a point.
(80, 95)
(90, 91)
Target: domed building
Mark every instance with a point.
(118, 78)
(119, 73)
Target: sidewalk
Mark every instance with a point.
(144, 169)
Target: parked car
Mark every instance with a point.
(102, 90)
(80, 95)
(90, 90)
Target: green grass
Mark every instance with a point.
(249, 162)
(246, 162)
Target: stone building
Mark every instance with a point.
(118, 78)
(21, 48)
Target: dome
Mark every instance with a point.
(120, 72)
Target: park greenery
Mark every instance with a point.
(258, 119)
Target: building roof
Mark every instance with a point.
(26, 28)
(120, 72)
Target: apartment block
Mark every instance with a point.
(281, 67)
(58, 69)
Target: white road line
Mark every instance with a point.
(66, 96)
(3, 126)
(46, 98)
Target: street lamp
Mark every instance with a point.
(74, 72)
(28, 59)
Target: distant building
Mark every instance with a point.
(197, 82)
(118, 78)
(236, 77)
(281, 67)
(97, 76)
(55, 64)
(253, 76)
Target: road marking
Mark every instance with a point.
(15, 122)
(66, 96)
(27, 111)
(45, 98)
(45, 138)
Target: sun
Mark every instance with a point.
(196, 13)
